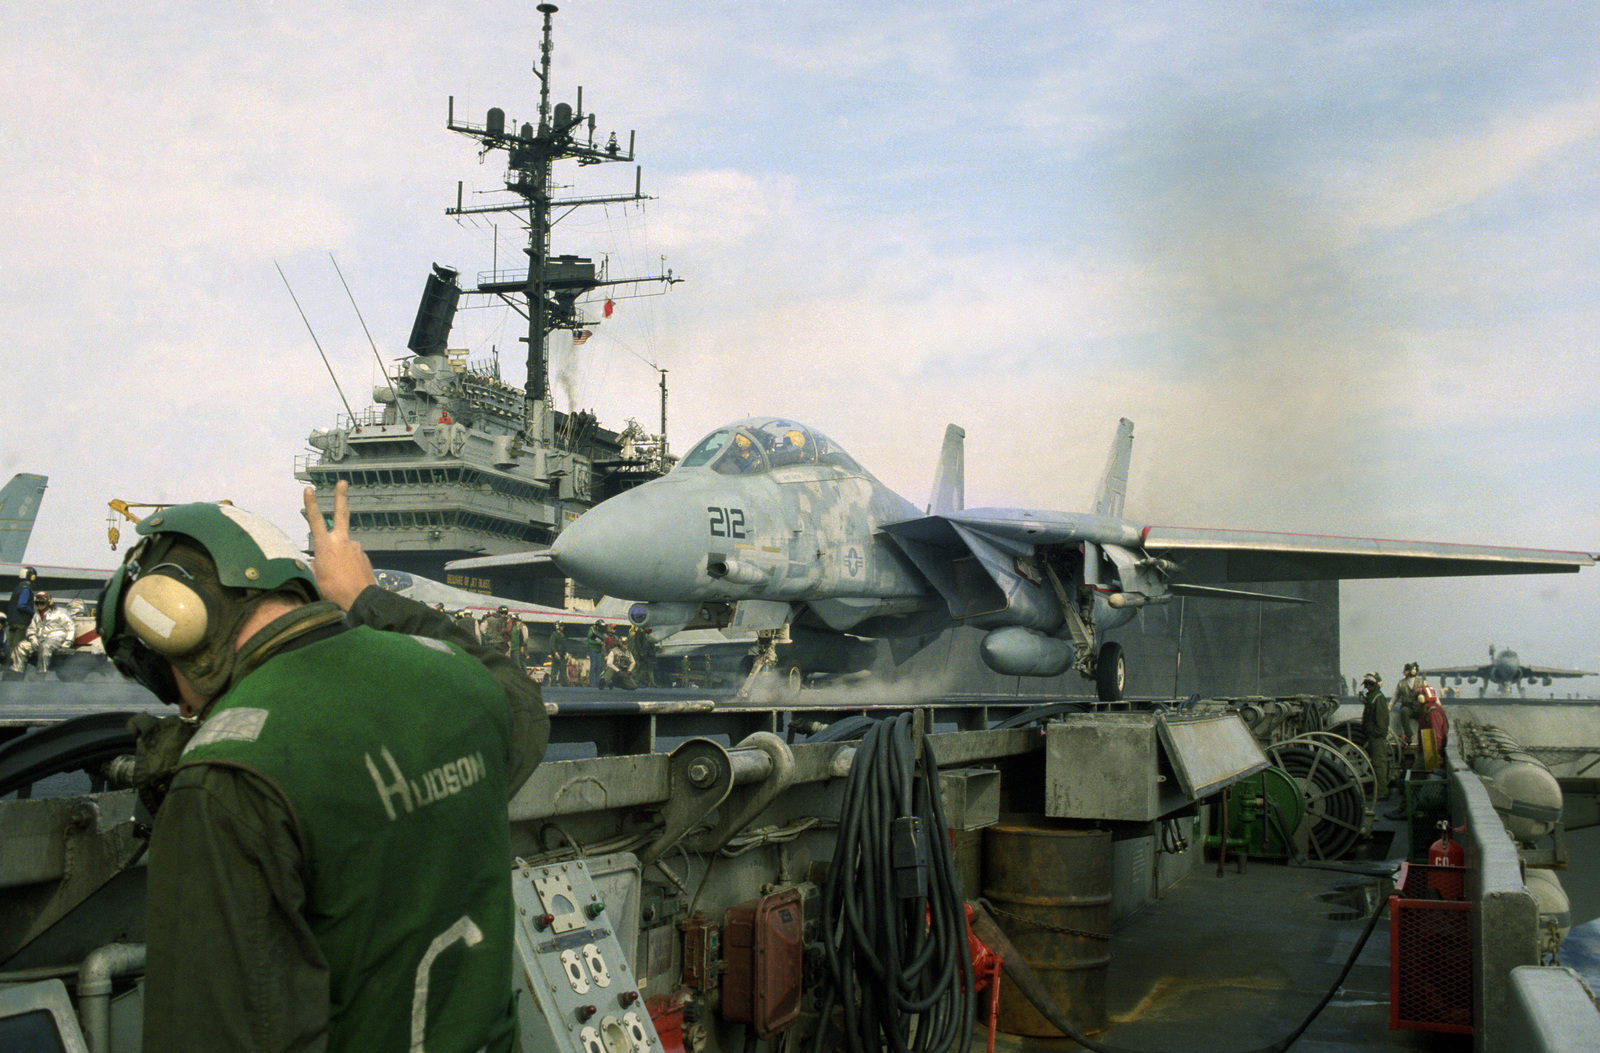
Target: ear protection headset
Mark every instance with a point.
(169, 610)
(172, 604)
(184, 591)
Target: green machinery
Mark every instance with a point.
(1263, 813)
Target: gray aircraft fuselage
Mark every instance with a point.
(724, 529)
(1506, 668)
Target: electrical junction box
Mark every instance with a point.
(763, 953)
(702, 953)
(576, 989)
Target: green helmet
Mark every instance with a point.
(183, 592)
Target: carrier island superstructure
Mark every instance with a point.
(453, 461)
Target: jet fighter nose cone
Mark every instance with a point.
(628, 546)
(582, 550)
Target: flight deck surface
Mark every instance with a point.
(1234, 962)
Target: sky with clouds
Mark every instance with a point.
(1339, 262)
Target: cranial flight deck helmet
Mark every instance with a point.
(183, 592)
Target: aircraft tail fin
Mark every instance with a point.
(949, 482)
(19, 504)
(1114, 482)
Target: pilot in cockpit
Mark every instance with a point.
(745, 454)
(788, 447)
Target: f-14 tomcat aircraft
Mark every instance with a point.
(775, 526)
(1503, 668)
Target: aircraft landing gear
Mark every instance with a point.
(1106, 666)
(1110, 672)
(788, 675)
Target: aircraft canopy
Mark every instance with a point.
(759, 444)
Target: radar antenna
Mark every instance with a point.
(548, 291)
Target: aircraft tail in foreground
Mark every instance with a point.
(19, 504)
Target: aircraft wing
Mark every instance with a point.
(537, 563)
(56, 579)
(1216, 556)
(430, 592)
(1547, 672)
(530, 613)
(1479, 671)
(1219, 557)
(1027, 525)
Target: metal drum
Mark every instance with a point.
(1050, 885)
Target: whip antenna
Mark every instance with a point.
(314, 340)
(381, 370)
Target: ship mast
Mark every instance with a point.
(547, 293)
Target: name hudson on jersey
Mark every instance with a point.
(444, 781)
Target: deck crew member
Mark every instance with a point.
(469, 625)
(329, 867)
(597, 650)
(51, 630)
(619, 666)
(1408, 700)
(496, 631)
(21, 606)
(642, 644)
(1375, 723)
(518, 640)
(1435, 720)
(558, 655)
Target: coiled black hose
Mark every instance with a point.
(894, 928)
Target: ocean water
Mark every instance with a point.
(1580, 952)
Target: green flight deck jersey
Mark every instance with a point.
(401, 808)
(383, 758)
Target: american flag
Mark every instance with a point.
(580, 335)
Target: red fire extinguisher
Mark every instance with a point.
(1448, 857)
(1445, 852)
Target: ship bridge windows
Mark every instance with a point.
(757, 444)
(501, 484)
(393, 477)
(372, 478)
(472, 522)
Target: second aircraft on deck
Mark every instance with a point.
(1504, 669)
(767, 525)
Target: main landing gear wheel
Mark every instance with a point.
(1335, 801)
(1110, 673)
